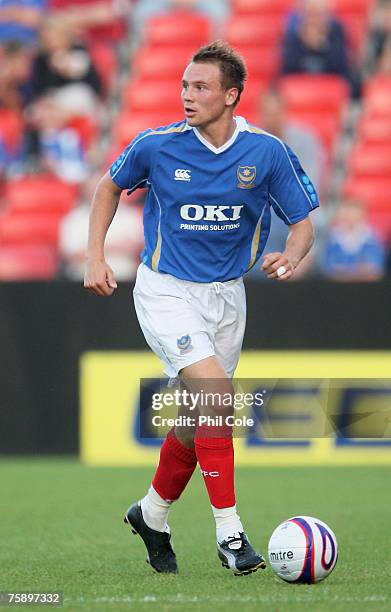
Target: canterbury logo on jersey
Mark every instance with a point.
(182, 175)
(195, 212)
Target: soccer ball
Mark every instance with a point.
(303, 549)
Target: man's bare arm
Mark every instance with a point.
(89, 16)
(299, 242)
(27, 16)
(99, 277)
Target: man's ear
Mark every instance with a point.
(231, 96)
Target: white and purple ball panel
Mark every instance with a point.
(303, 549)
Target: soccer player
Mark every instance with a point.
(211, 180)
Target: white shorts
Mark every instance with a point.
(184, 322)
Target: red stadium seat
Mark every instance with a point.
(262, 7)
(153, 96)
(374, 191)
(105, 61)
(376, 194)
(11, 128)
(263, 62)
(249, 103)
(357, 7)
(370, 161)
(128, 125)
(182, 28)
(27, 263)
(374, 130)
(377, 96)
(86, 127)
(44, 193)
(381, 222)
(321, 93)
(247, 30)
(154, 63)
(112, 33)
(19, 228)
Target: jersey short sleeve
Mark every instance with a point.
(291, 192)
(132, 168)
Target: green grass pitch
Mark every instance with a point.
(61, 530)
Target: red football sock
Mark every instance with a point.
(176, 466)
(215, 454)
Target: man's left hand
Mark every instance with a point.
(277, 265)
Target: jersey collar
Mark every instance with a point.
(241, 126)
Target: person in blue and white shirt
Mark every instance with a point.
(20, 20)
(212, 179)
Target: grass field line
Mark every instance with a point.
(189, 599)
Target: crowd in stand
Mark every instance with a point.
(80, 78)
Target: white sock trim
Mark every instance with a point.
(155, 510)
(227, 522)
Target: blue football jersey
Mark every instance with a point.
(207, 212)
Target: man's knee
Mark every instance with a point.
(216, 398)
(185, 436)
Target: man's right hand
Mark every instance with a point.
(99, 278)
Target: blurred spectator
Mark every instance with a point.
(302, 140)
(15, 66)
(384, 64)
(310, 152)
(15, 63)
(352, 250)
(381, 33)
(65, 86)
(123, 243)
(3, 161)
(101, 20)
(315, 42)
(217, 10)
(60, 147)
(388, 266)
(20, 20)
(63, 60)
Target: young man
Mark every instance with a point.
(211, 180)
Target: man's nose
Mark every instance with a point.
(187, 95)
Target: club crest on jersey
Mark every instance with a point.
(246, 176)
(184, 344)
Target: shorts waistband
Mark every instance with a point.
(216, 285)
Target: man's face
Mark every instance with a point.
(315, 11)
(203, 96)
(351, 214)
(56, 35)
